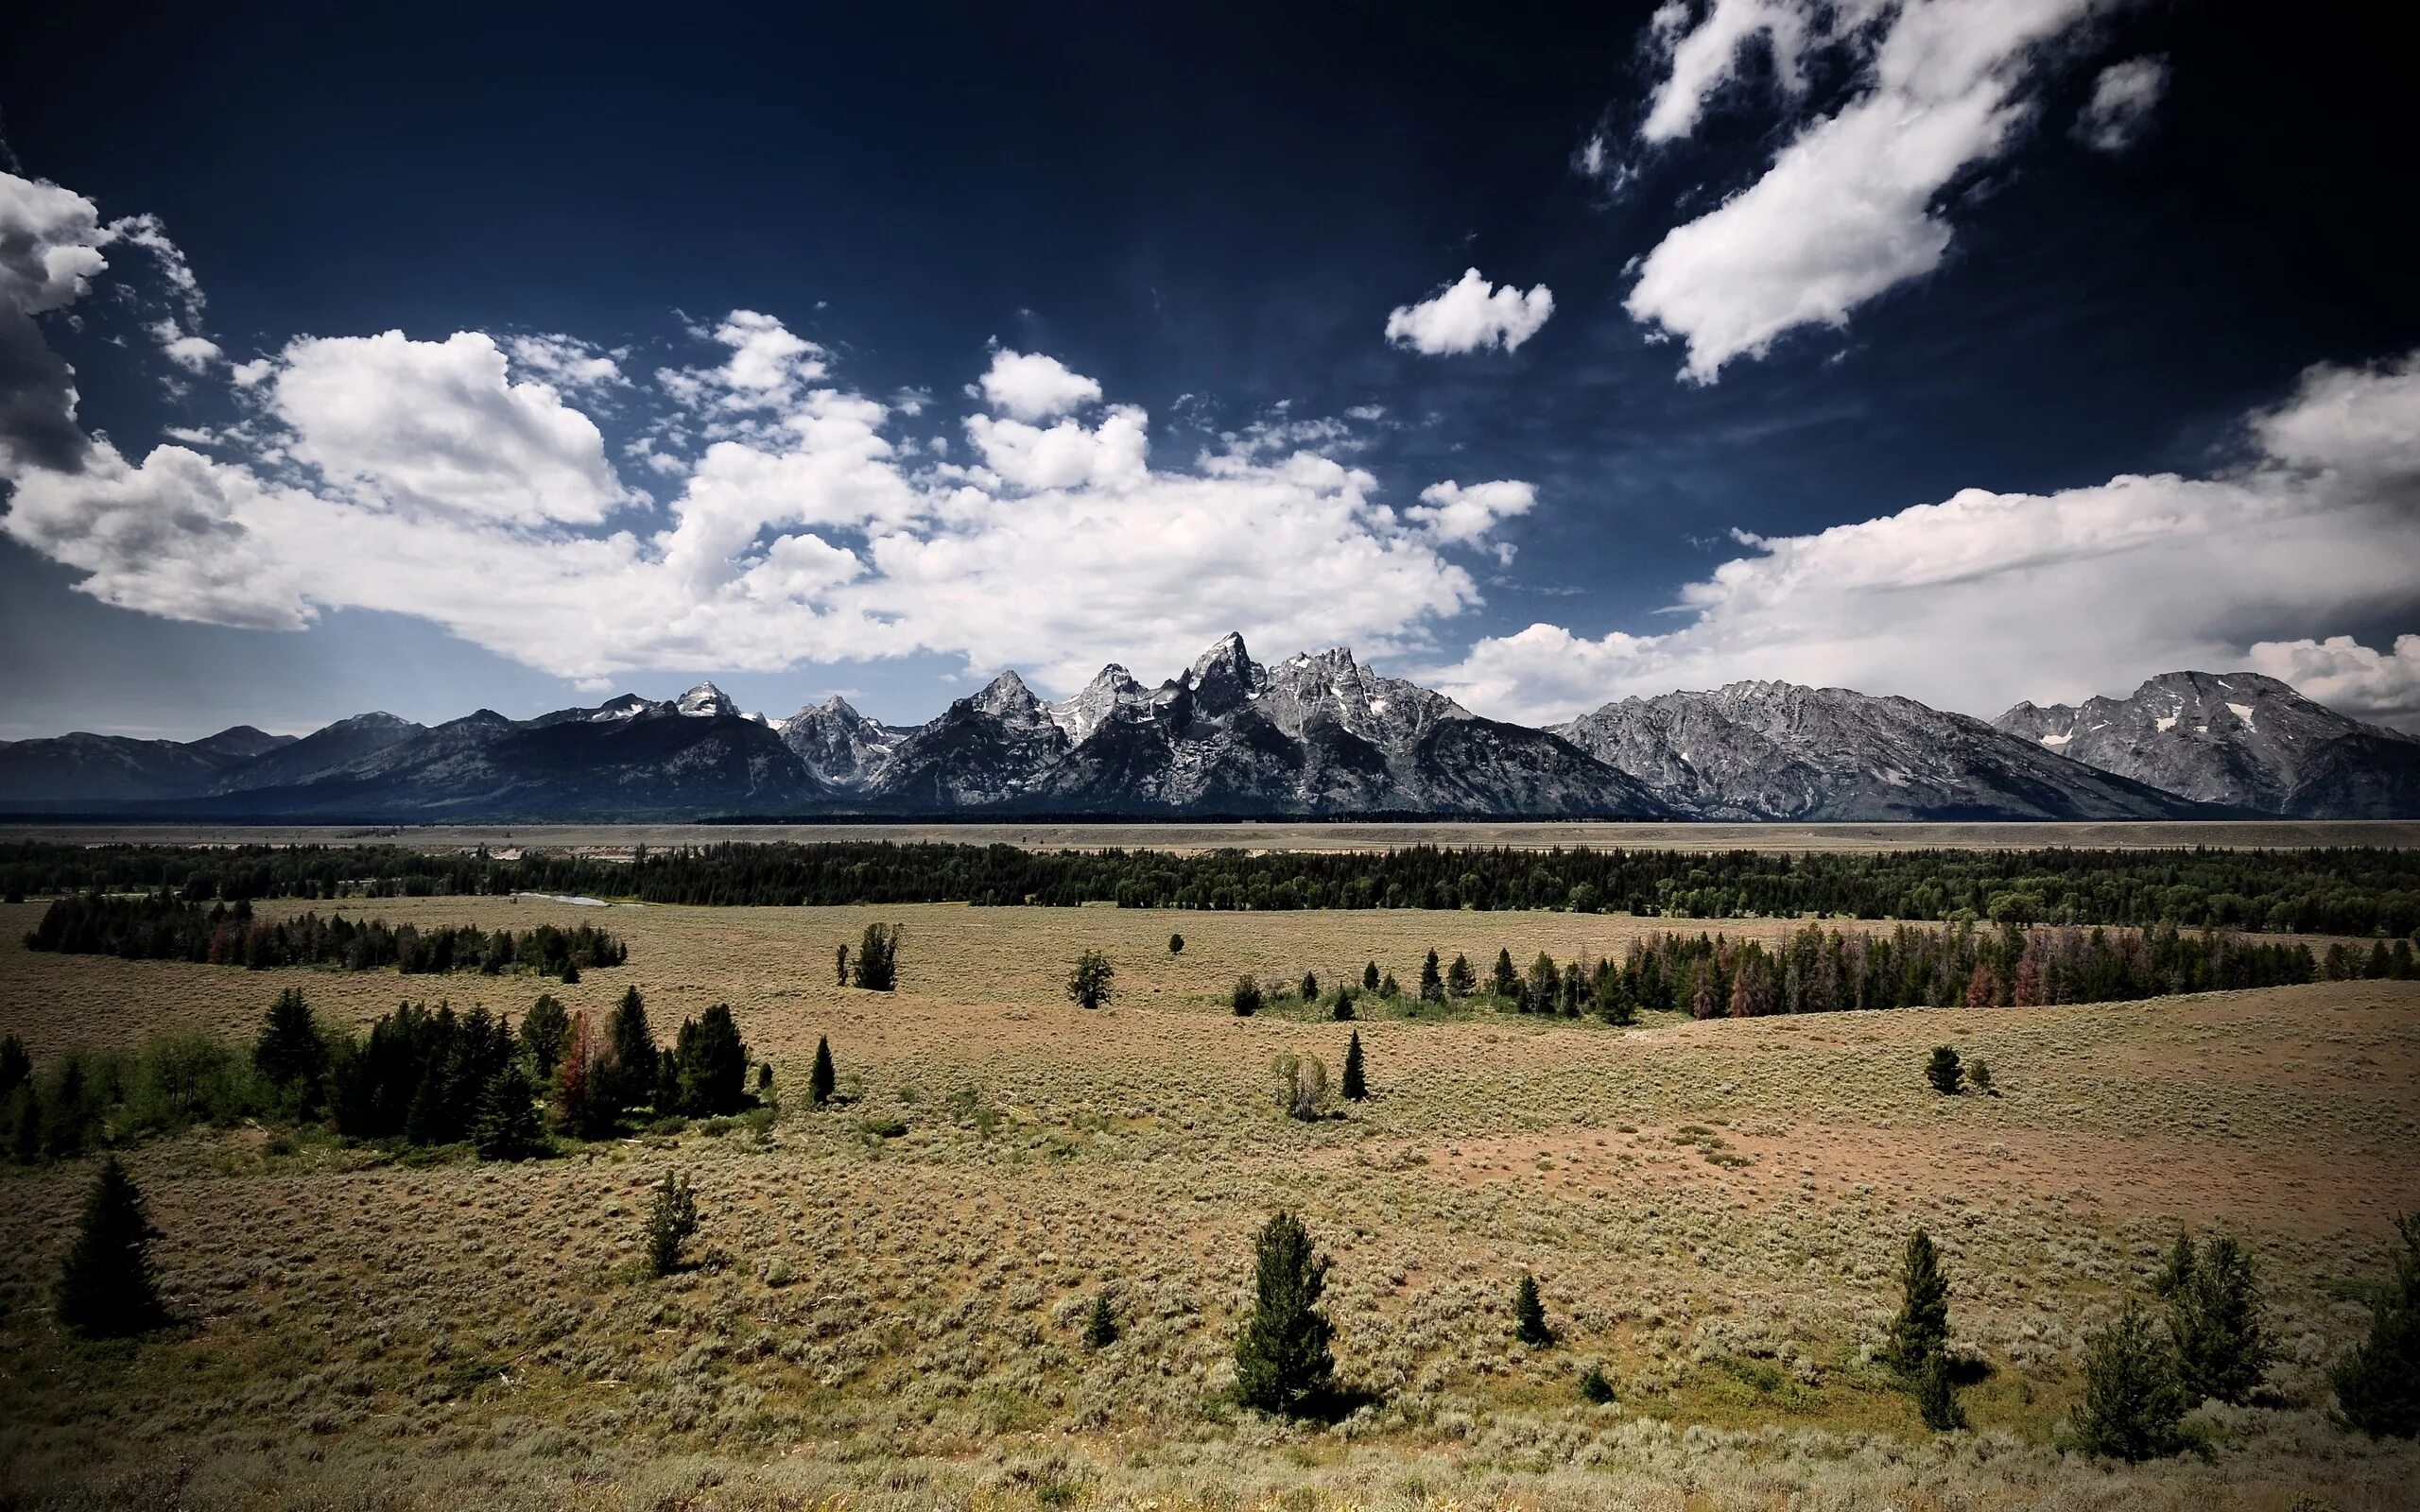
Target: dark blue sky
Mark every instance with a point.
(1217, 202)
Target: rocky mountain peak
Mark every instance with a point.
(707, 701)
(1223, 679)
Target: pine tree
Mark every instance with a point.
(2222, 1349)
(821, 1083)
(424, 1121)
(2178, 1268)
(1100, 1324)
(289, 1054)
(1311, 986)
(1937, 1396)
(2377, 1385)
(24, 1128)
(507, 1128)
(632, 1053)
(669, 1223)
(63, 1131)
(106, 1288)
(1355, 1088)
(1088, 984)
(543, 1033)
(840, 966)
(1283, 1363)
(1943, 1072)
(711, 1063)
(1921, 1329)
(1506, 982)
(877, 964)
(1461, 978)
(1370, 978)
(2131, 1401)
(1530, 1314)
(1432, 982)
(1247, 997)
(1389, 987)
(1176, 944)
(1596, 1387)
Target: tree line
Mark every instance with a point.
(158, 927)
(2361, 891)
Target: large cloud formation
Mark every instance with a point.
(1849, 206)
(460, 480)
(1986, 598)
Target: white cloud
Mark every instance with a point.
(1469, 315)
(51, 241)
(2344, 675)
(2123, 98)
(192, 354)
(1454, 514)
(566, 362)
(1030, 386)
(1065, 455)
(439, 426)
(1986, 598)
(1700, 59)
(1846, 210)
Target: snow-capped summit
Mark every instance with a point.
(1112, 688)
(707, 701)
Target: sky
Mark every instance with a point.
(1966, 349)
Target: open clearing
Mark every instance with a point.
(1713, 1211)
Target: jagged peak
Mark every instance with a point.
(705, 701)
(1006, 694)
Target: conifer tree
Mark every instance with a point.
(1506, 982)
(1311, 986)
(1370, 978)
(2377, 1385)
(1355, 1088)
(1432, 982)
(2222, 1349)
(2131, 1401)
(1176, 944)
(876, 969)
(16, 1066)
(1530, 1314)
(1283, 1362)
(543, 1033)
(1247, 997)
(24, 1128)
(1937, 1396)
(1088, 984)
(289, 1054)
(1389, 987)
(1595, 1386)
(1461, 979)
(1943, 1071)
(840, 966)
(1921, 1329)
(670, 1221)
(63, 1132)
(711, 1061)
(821, 1083)
(632, 1053)
(2178, 1268)
(106, 1289)
(1100, 1324)
(507, 1128)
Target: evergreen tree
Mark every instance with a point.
(1247, 997)
(543, 1033)
(1355, 1088)
(1100, 1324)
(670, 1221)
(1088, 984)
(1370, 978)
(2377, 1385)
(2178, 1268)
(711, 1061)
(1389, 987)
(1596, 1387)
(16, 1066)
(2222, 1349)
(507, 1128)
(583, 1106)
(1311, 986)
(1283, 1363)
(1530, 1314)
(1176, 944)
(1461, 979)
(106, 1288)
(840, 966)
(290, 1055)
(1340, 1009)
(1943, 1071)
(821, 1083)
(877, 964)
(630, 1053)
(1937, 1396)
(1506, 982)
(2131, 1401)
(1921, 1329)
(1432, 982)
(424, 1123)
(63, 1132)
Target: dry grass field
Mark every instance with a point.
(1713, 1211)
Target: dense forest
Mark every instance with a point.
(2346, 891)
(157, 927)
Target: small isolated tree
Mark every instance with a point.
(1432, 982)
(2222, 1349)
(2377, 1385)
(1311, 986)
(670, 1221)
(1530, 1314)
(106, 1288)
(1370, 978)
(1247, 997)
(507, 1128)
(1943, 1071)
(1937, 1396)
(1301, 1086)
(289, 1054)
(1921, 1329)
(1461, 979)
(1341, 1008)
(1389, 987)
(1283, 1363)
(1980, 1074)
(820, 1082)
(1596, 1387)
(2131, 1401)
(876, 969)
(1356, 1086)
(1176, 944)
(1100, 1324)
(1088, 984)
(543, 1033)
(840, 966)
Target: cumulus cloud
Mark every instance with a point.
(2340, 671)
(1027, 385)
(2123, 98)
(1847, 208)
(459, 481)
(51, 241)
(1469, 315)
(1986, 598)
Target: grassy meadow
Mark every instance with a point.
(889, 1310)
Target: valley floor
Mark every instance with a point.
(1713, 1212)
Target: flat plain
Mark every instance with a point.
(893, 1319)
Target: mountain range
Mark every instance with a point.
(1314, 734)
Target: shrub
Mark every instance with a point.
(1356, 1086)
(1246, 998)
(877, 968)
(1100, 1324)
(1595, 1386)
(821, 1083)
(2133, 1402)
(1088, 984)
(670, 1221)
(2222, 1348)
(1283, 1363)
(1530, 1314)
(1943, 1071)
(106, 1288)
(1311, 986)
(1980, 1074)
(1301, 1086)
(2377, 1385)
